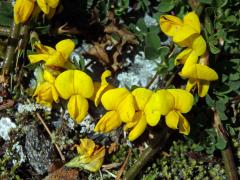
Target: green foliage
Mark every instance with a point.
(6, 13)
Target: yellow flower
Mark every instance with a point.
(182, 103)
(185, 33)
(100, 88)
(200, 76)
(76, 86)
(120, 104)
(139, 123)
(46, 92)
(47, 5)
(160, 103)
(24, 8)
(53, 57)
(90, 156)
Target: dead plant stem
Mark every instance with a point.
(50, 134)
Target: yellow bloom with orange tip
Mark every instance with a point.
(121, 108)
(100, 88)
(199, 76)
(76, 86)
(23, 9)
(139, 123)
(90, 156)
(52, 57)
(46, 92)
(182, 103)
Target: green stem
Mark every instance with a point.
(158, 143)
(10, 52)
(227, 155)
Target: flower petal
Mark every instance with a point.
(23, 10)
(183, 34)
(112, 98)
(159, 104)
(34, 58)
(183, 125)
(190, 84)
(43, 6)
(183, 100)
(86, 146)
(199, 71)
(199, 45)
(126, 108)
(53, 3)
(55, 94)
(203, 87)
(192, 20)
(170, 24)
(139, 128)
(172, 119)
(65, 47)
(142, 95)
(103, 86)
(72, 82)
(182, 56)
(77, 107)
(48, 76)
(111, 120)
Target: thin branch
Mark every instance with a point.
(10, 52)
(151, 81)
(120, 172)
(158, 143)
(50, 134)
(227, 155)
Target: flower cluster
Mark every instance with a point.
(186, 34)
(143, 107)
(23, 9)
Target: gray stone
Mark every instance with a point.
(39, 150)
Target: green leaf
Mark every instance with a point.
(153, 40)
(221, 143)
(166, 6)
(151, 52)
(214, 49)
(206, 1)
(6, 14)
(210, 102)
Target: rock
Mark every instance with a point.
(39, 150)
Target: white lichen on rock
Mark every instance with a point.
(31, 107)
(140, 72)
(5, 127)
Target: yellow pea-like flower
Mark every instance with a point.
(76, 86)
(199, 76)
(23, 9)
(52, 57)
(100, 88)
(121, 108)
(90, 156)
(46, 92)
(183, 102)
(186, 32)
(138, 123)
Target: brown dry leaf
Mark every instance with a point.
(113, 148)
(6, 104)
(63, 174)
(110, 166)
(98, 51)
